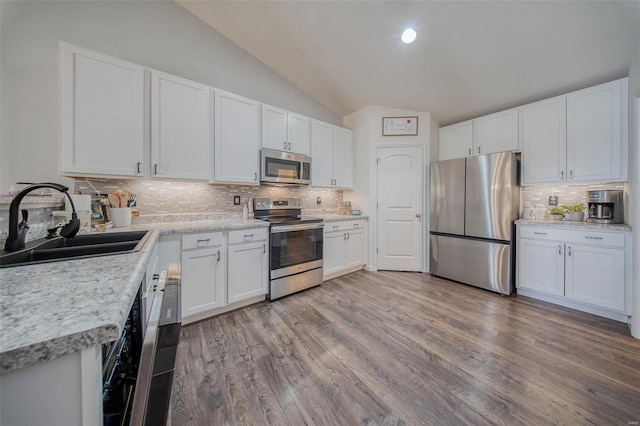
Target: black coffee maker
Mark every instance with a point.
(605, 206)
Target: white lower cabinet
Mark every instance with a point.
(203, 273)
(582, 269)
(343, 247)
(248, 263)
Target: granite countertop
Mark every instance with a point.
(33, 201)
(53, 309)
(332, 217)
(575, 225)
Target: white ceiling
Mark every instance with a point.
(470, 58)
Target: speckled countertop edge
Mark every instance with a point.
(576, 225)
(338, 217)
(88, 299)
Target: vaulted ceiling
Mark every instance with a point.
(470, 58)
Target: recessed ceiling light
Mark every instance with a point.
(409, 35)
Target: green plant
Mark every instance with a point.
(557, 210)
(577, 207)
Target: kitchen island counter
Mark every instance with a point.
(575, 225)
(52, 309)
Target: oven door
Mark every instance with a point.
(284, 167)
(295, 248)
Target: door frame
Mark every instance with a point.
(425, 202)
(635, 213)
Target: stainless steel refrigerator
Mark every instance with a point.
(474, 202)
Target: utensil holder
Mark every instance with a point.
(121, 217)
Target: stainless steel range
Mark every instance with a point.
(295, 245)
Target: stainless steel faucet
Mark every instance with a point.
(18, 231)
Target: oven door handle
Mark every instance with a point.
(289, 228)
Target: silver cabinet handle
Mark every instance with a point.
(336, 227)
(418, 215)
(348, 235)
(355, 225)
(344, 236)
(469, 151)
(289, 146)
(218, 255)
(284, 145)
(204, 240)
(264, 248)
(561, 174)
(248, 235)
(559, 249)
(255, 176)
(593, 238)
(478, 150)
(155, 169)
(138, 166)
(539, 233)
(569, 251)
(570, 174)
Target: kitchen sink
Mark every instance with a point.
(81, 246)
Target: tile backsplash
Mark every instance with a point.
(567, 194)
(163, 197)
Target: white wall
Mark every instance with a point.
(632, 192)
(157, 34)
(367, 126)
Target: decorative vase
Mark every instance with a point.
(576, 216)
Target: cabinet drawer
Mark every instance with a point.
(247, 235)
(596, 238)
(346, 225)
(540, 233)
(210, 239)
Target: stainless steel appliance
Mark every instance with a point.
(155, 374)
(284, 168)
(295, 254)
(474, 202)
(138, 367)
(605, 206)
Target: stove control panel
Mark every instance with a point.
(278, 203)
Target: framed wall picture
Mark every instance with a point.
(399, 126)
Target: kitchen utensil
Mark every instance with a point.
(114, 200)
(124, 196)
(132, 200)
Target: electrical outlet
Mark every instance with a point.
(236, 200)
(553, 200)
(318, 200)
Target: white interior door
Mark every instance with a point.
(400, 215)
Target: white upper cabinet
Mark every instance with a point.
(596, 134)
(332, 157)
(285, 131)
(456, 140)
(343, 158)
(496, 132)
(579, 137)
(102, 124)
(181, 128)
(544, 141)
(237, 139)
(321, 153)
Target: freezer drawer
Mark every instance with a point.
(482, 264)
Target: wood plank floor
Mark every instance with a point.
(383, 348)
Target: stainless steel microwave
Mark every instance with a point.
(286, 168)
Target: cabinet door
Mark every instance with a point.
(496, 132)
(102, 129)
(298, 134)
(203, 280)
(456, 141)
(321, 154)
(247, 271)
(355, 249)
(181, 128)
(541, 266)
(274, 128)
(594, 133)
(237, 141)
(343, 158)
(544, 141)
(334, 252)
(595, 275)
